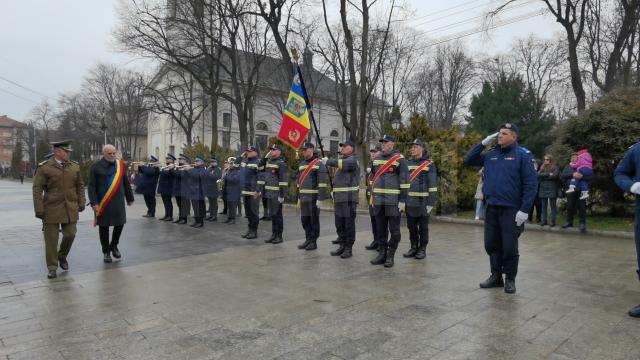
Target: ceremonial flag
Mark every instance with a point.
(295, 118)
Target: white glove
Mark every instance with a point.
(521, 217)
(318, 203)
(429, 208)
(489, 139)
(324, 160)
(280, 200)
(219, 180)
(402, 206)
(635, 188)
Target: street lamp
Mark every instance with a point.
(103, 126)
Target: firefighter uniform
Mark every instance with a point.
(197, 193)
(421, 199)
(249, 175)
(346, 188)
(181, 190)
(389, 187)
(214, 173)
(165, 189)
(375, 151)
(311, 190)
(146, 185)
(273, 187)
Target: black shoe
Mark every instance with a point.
(381, 258)
(178, 221)
(635, 312)
(338, 251)
(544, 223)
(553, 224)
(347, 253)
(337, 241)
(312, 245)
(567, 225)
(278, 239)
(252, 235)
(107, 258)
(583, 228)
(270, 240)
(495, 280)
(227, 221)
(421, 254)
(222, 213)
(411, 253)
(147, 215)
(213, 218)
(388, 263)
(304, 244)
(510, 286)
(198, 225)
(244, 236)
(372, 246)
(64, 265)
(163, 218)
(52, 274)
(116, 252)
(265, 218)
(169, 218)
(230, 222)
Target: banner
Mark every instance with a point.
(295, 118)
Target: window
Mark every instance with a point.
(172, 150)
(157, 152)
(226, 140)
(262, 127)
(262, 141)
(333, 146)
(334, 133)
(226, 120)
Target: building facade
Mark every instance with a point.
(11, 131)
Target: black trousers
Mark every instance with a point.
(374, 228)
(275, 211)
(199, 210)
(168, 205)
(150, 201)
(224, 205)
(501, 239)
(231, 211)
(388, 221)
(213, 206)
(573, 203)
(418, 231)
(310, 219)
(104, 237)
(266, 211)
(251, 210)
(345, 219)
(184, 206)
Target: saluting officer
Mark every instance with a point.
(58, 197)
(389, 187)
(374, 152)
(250, 194)
(196, 177)
(510, 186)
(146, 184)
(273, 187)
(346, 187)
(421, 198)
(165, 187)
(214, 173)
(181, 188)
(312, 188)
(627, 176)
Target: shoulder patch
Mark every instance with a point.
(75, 162)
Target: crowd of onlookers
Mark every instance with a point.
(569, 184)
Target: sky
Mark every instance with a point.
(47, 47)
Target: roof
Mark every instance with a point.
(6, 121)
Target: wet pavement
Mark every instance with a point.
(184, 293)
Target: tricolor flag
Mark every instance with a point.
(295, 118)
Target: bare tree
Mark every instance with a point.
(43, 116)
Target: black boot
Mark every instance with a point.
(635, 312)
(347, 253)
(244, 236)
(495, 280)
(338, 251)
(304, 244)
(336, 241)
(544, 223)
(381, 258)
(422, 252)
(199, 224)
(372, 246)
(278, 239)
(567, 225)
(553, 224)
(270, 240)
(312, 245)
(510, 286)
(583, 228)
(163, 218)
(389, 261)
(169, 218)
(412, 251)
(252, 235)
(178, 221)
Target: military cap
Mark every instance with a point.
(308, 145)
(510, 126)
(375, 148)
(213, 158)
(199, 158)
(64, 145)
(170, 156)
(185, 158)
(153, 158)
(418, 142)
(387, 138)
(347, 143)
(276, 147)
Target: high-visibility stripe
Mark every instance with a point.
(435, 189)
(339, 163)
(248, 192)
(345, 189)
(273, 166)
(418, 194)
(413, 167)
(404, 186)
(283, 183)
(302, 167)
(272, 188)
(382, 162)
(251, 165)
(386, 191)
(261, 182)
(308, 191)
(323, 185)
(260, 168)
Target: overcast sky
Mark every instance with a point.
(46, 46)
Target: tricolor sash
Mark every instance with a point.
(304, 176)
(114, 184)
(381, 171)
(416, 172)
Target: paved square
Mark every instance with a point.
(182, 293)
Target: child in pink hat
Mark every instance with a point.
(583, 165)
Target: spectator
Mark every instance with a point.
(583, 165)
(537, 205)
(480, 206)
(548, 176)
(573, 199)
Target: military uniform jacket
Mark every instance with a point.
(180, 183)
(274, 182)
(628, 171)
(423, 190)
(346, 182)
(211, 178)
(58, 192)
(114, 214)
(391, 187)
(196, 182)
(233, 184)
(314, 186)
(147, 180)
(249, 174)
(165, 182)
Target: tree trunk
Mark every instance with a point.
(214, 120)
(576, 76)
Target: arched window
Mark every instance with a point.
(334, 141)
(261, 126)
(334, 133)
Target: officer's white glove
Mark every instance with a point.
(429, 208)
(402, 206)
(635, 188)
(318, 203)
(489, 139)
(521, 217)
(219, 181)
(324, 160)
(280, 200)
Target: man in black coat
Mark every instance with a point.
(165, 187)
(107, 201)
(147, 183)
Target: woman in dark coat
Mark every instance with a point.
(548, 177)
(114, 214)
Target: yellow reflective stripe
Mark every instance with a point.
(308, 191)
(345, 189)
(322, 185)
(304, 167)
(386, 191)
(435, 189)
(382, 162)
(339, 163)
(404, 186)
(283, 183)
(252, 165)
(273, 166)
(243, 164)
(248, 192)
(419, 194)
(261, 182)
(272, 188)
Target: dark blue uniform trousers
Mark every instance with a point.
(387, 222)
(251, 210)
(501, 239)
(637, 232)
(345, 220)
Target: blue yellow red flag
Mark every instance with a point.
(295, 124)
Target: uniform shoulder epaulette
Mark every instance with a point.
(42, 163)
(75, 162)
(634, 145)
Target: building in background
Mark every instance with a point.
(11, 132)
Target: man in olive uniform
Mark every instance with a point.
(346, 189)
(374, 152)
(273, 187)
(421, 198)
(58, 197)
(312, 187)
(389, 188)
